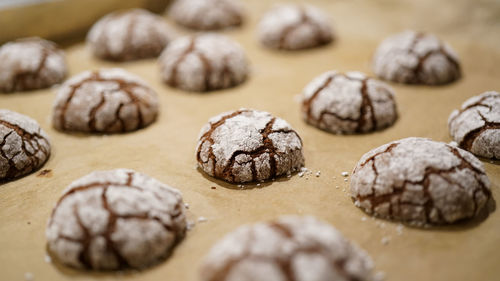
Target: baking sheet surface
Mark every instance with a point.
(165, 150)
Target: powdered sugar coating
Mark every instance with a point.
(115, 219)
(420, 181)
(129, 35)
(476, 126)
(416, 58)
(293, 27)
(24, 146)
(104, 101)
(207, 14)
(203, 63)
(248, 145)
(29, 64)
(289, 249)
(348, 103)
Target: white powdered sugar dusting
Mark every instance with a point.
(203, 63)
(416, 58)
(248, 145)
(293, 27)
(24, 146)
(107, 101)
(207, 14)
(29, 64)
(114, 220)
(348, 103)
(128, 35)
(420, 181)
(290, 248)
(476, 126)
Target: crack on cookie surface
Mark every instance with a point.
(304, 19)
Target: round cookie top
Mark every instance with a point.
(207, 14)
(203, 63)
(248, 145)
(129, 35)
(348, 103)
(104, 101)
(416, 58)
(476, 126)
(293, 27)
(30, 64)
(290, 248)
(420, 181)
(115, 219)
(24, 146)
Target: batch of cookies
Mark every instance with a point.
(119, 219)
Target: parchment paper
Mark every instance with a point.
(165, 150)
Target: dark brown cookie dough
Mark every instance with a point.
(248, 145)
(348, 103)
(207, 14)
(416, 58)
(115, 219)
(476, 126)
(420, 181)
(288, 249)
(104, 101)
(293, 27)
(30, 64)
(203, 63)
(129, 35)
(24, 146)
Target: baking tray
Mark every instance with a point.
(165, 150)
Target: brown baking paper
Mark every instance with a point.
(165, 150)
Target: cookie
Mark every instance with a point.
(129, 35)
(207, 14)
(420, 181)
(248, 145)
(348, 103)
(203, 63)
(104, 101)
(476, 126)
(30, 64)
(290, 248)
(293, 27)
(115, 219)
(24, 146)
(416, 58)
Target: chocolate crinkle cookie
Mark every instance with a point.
(30, 64)
(248, 145)
(24, 146)
(420, 181)
(416, 58)
(129, 35)
(115, 219)
(476, 126)
(290, 248)
(104, 101)
(203, 63)
(348, 103)
(293, 27)
(207, 14)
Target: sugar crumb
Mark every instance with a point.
(202, 219)
(345, 174)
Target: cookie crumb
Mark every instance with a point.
(337, 187)
(363, 218)
(202, 219)
(399, 229)
(385, 240)
(345, 180)
(186, 205)
(213, 187)
(190, 225)
(45, 173)
(29, 222)
(379, 276)
(345, 174)
(47, 259)
(318, 173)
(28, 276)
